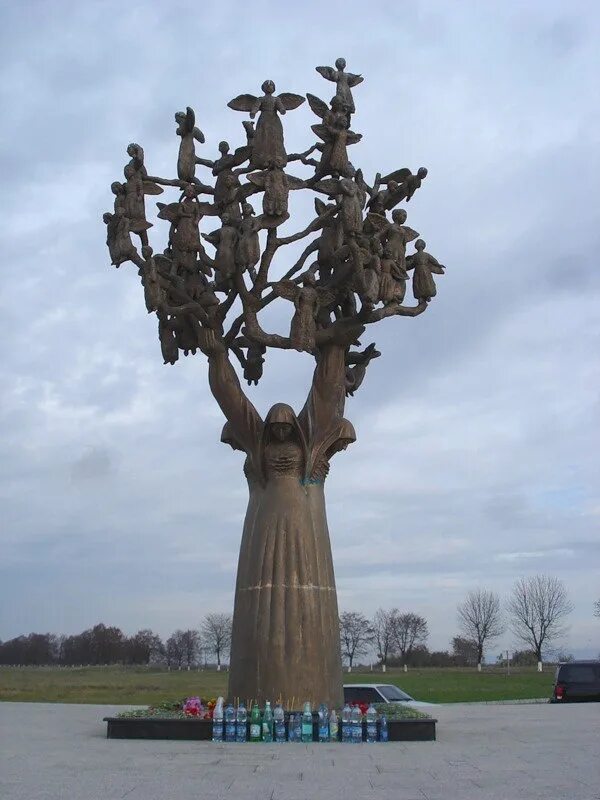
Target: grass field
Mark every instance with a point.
(142, 686)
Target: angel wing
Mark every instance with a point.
(152, 188)
(378, 221)
(287, 289)
(330, 187)
(290, 101)
(327, 72)
(435, 266)
(322, 132)
(409, 261)
(295, 183)
(319, 107)
(320, 206)
(354, 80)
(168, 211)
(257, 178)
(400, 175)
(409, 233)
(243, 102)
(353, 138)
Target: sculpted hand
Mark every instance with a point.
(209, 342)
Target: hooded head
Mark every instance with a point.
(281, 423)
(345, 435)
(228, 437)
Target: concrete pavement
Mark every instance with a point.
(521, 752)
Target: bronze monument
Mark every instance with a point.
(285, 640)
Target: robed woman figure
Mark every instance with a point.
(285, 639)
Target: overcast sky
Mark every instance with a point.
(477, 453)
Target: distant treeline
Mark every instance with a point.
(106, 644)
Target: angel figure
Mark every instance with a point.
(371, 272)
(225, 239)
(394, 235)
(168, 341)
(184, 237)
(401, 185)
(335, 133)
(267, 146)
(423, 264)
(276, 184)
(186, 160)
(253, 363)
(247, 254)
(356, 367)
(392, 280)
(307, 300)
(344, 82)
(350, 208)
(118, 238)
(330, 240)
(227, 183)
(136, 186)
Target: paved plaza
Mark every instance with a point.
(500, 752)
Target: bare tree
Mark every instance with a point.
(538, 607)
(480, 619)
(175, 650)
(190, 643)
(356, 635)
(597, 608)
(410, 630)
(383, 626)
(216, 632)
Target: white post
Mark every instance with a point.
(218, 668)
(383, 667)
(349, 667)
(539, 666)
(405, 668)
(507, 663)
(479, 666)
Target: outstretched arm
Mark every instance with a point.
(324, 405)
(225, 386)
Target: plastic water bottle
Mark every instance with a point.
(292, 728)
(218, 721)
(333, 726)
(255, 723)
(346, 723)
(298, 728)
(279, 717)
(323, 723)
(383, 729)
(241, 731)
(371, 724)
(230, 723)
(356, 725)
(267, 723)
(307, 726)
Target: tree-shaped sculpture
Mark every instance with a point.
(285, 640)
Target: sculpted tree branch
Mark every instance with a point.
(211, 302)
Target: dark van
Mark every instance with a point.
(577, 682)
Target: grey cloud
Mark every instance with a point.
(477, 451)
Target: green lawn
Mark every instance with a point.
(141, 686)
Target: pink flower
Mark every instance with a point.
(193, 707)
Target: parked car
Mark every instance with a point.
(577, 682)
(379, 693)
